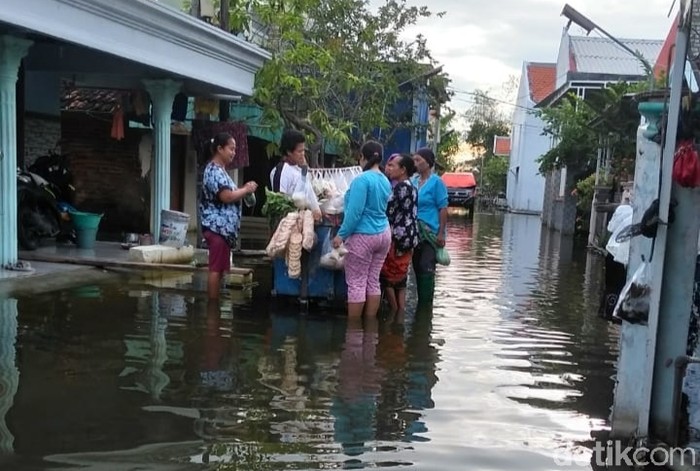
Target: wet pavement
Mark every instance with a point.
(510, 369)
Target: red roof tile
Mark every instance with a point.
(95, 100)
(542, 79)
(501, 145)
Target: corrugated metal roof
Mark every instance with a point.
(602, 56)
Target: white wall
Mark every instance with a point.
(563, 60)
(522, 102)
(525, 191)
(529, 192)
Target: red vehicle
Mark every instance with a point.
(461, 189)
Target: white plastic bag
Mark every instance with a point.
(331, 258)
(300, 194)
(336, 205)
(620, 220)
(633, 303)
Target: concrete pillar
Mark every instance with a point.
(9, 374)
(672, 292)
(12, 50)
(162, 93)
(647, 352)
(631, 368)
(675, 307)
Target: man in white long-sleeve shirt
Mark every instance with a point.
(288, 175)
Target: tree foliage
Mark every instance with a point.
(580, 126)
(337, 66)
(495, 174)
(450, 140)
(486, 122)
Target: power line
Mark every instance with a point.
(514, 105)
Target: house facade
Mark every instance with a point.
(584, 65)
(525, 187)
(137, 45)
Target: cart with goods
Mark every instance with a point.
(305, 264)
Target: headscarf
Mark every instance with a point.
(427, 155)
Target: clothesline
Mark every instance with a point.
(331, 172)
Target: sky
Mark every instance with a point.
(481, 43)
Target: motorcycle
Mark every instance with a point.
(44, 197)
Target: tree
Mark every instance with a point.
(337, 67)
(495, 174)
(450, 139)
(487, 122)
(577, 125)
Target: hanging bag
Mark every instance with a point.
(686, 165)
(442, 256)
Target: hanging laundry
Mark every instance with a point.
(239, 132)
(179, 107)
(204, 131)
(118, 124)
(138, 107)
(206, 106)
(139, 102)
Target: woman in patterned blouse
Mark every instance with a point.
(402, 214)
(220, 210)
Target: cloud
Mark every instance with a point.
(482, 43)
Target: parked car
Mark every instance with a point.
(461, 189)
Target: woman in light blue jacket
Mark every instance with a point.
(365, 232)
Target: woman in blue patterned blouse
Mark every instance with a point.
(220, 209)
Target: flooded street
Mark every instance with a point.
(511, 369)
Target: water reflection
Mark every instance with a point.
(9, 374)
(509, 366)
(355, 403)
(147, 353)
(520, 255)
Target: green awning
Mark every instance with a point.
(251, 115)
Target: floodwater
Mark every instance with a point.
(511, 369)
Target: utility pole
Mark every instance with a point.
(645, 394)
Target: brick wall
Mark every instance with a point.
(107, 173)
(41, 134)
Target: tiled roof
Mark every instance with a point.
(95, 100)
(541, 78)
(596, 55)
(501, 145)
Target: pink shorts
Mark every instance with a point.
(219, 252)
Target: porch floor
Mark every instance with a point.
(60, 253)
(40, 268)
(104, 255)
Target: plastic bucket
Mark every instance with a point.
(86, 225)
(86, 238)
(173, 228)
